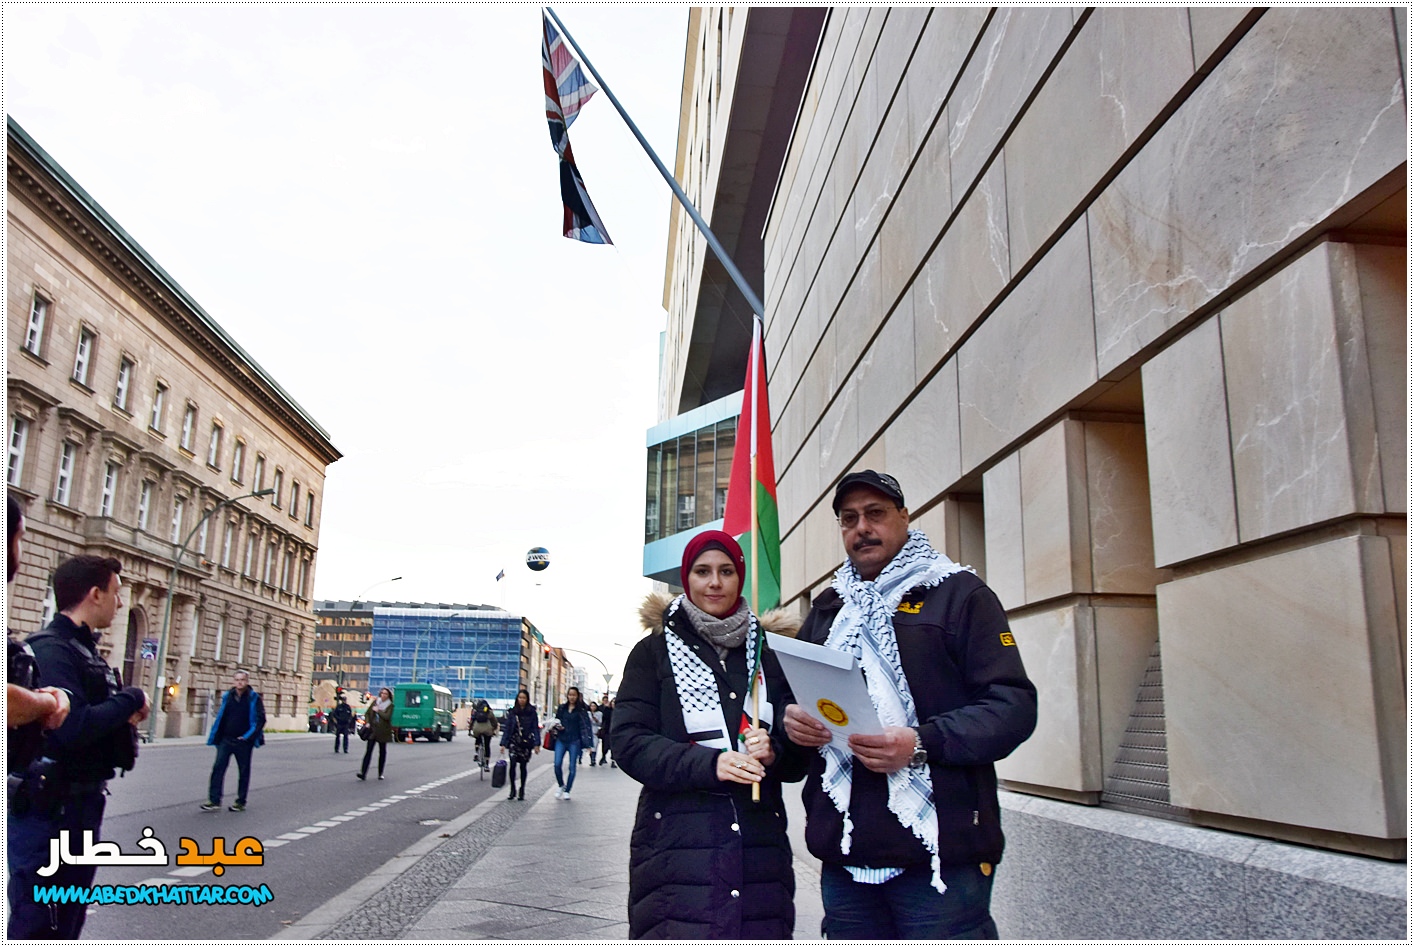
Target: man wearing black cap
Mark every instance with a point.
(907, 823)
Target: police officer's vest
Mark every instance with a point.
(101, 681)
(22, 744)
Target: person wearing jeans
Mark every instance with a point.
(237, 730)
(576, 731)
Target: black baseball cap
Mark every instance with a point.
(872, 479)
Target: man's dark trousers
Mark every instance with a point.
(341, 735)
(227, 748)
(27, 840)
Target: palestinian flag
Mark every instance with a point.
(751, 513)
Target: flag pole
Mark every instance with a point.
(753, 366)
(712, 240)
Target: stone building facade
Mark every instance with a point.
(132, 418)
(1119, 295)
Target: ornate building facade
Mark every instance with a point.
(135, 424)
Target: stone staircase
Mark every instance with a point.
(1138, 781)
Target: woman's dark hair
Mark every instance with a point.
(578, 697)
(518, 696)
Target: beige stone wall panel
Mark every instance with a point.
(860, 314)
(1300, 404)
(1006, 551)
(921, 444)
(1304, 114)
(824, 550)
(924, 205)
(1035, 353)
(1124, 638)
(1121, 534)
(1384, 287)
(885, 373)
(1125, 66)
(966, 271)
(839, 434)
(1189, 448)
(1058, 648)
(1284, 691)
(1055, 521)
(938, 59)
(1016, 49)
(1212, 26)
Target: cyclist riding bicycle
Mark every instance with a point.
(483, 727)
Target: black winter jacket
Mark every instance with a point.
(975, 706)
(705, 862)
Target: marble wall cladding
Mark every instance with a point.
(921, 444)
(1125, 65)
(824, 550)
(1121, 532)
(941, 52)
(860, 313)
(1383, 282)
(1055, 523)
(924, 205)
(1211, 27)
(1250, 648)
(1399, 564)
(1189, 450)
(883, 172)
(956, 528)
(839, 434)
(1300, 405)
(1124, 638)
(792, 564)
(1058, 648)
(1305, 113)
(885, 373)
(965, 272)
(1015, 50)
(1006, 554)
(1035, 352)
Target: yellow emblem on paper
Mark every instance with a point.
(832, 711)
(1008, 640)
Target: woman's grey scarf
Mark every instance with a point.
(724, 634)
(696, 683)
(864, 628)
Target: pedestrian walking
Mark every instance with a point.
(520, 737)
(65, 791)
(238, 729)
(706, 860)
(343, 723)
(606, 717)
(379, 719)
(596, 720)
(575, 731)
(907, 822)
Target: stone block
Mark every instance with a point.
(824, 550)
(1055, 522)
(966, 270)
(793, 557)
(1383, 282)
(1283, 691)
(839, 434)
(917, 217)
(1121, 532)
(1300, 405)
(1211, 26)
(1034, 353)
(884, 375)
(1316, 95)
(942, 49)
(1058, 649)
(1189, 449)
(1124, 638)
(1125, 66)
(1016, 49)
(922, 442)
(1006, 555)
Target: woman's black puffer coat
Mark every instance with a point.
(705, 862)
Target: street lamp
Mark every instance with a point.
(159, 678)
(396, 578)
(608, 675)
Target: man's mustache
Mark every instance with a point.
(866, 541)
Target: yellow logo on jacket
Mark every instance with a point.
(911, 608)
(1008, 640)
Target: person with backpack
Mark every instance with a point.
(238, 729)
(343, 723)
(66, 787)
(483, 728)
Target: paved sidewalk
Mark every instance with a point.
(543, 869)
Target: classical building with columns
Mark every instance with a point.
(1119, 295)
(132, 419)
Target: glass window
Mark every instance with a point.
(726, 440)
(64, 479)
(34, 334)
(278, 486)
(144, 504)
(226, 545)
(19, 436)
(213, 451)
(110, 489)
(179, 506)
(706, 476)
(308, 509)
(159, 398)
(188, 426)
(259, 475)
(294, 499)
(83, 356)
(650, 522)
(687, 486)
(125, 377)
(238, 461)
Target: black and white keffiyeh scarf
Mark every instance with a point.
(864, 628)
(696, 683)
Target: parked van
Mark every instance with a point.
(424, 711)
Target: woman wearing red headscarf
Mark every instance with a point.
(706, 861)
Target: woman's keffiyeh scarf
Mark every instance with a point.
(696, 684)
(864, 628)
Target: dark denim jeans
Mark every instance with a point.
(561, 750)
(909, 907)
(27, 847)
(226, 749)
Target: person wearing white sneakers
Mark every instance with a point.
(575, 732)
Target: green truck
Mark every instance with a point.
(422, 711)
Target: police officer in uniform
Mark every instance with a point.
(65, 788)
(29, 708)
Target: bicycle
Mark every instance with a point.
(483, 753)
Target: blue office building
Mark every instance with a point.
(474, 652)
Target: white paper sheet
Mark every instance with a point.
(828, 685)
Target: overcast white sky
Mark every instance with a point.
(366, 199)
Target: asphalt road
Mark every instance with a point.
(335, 827)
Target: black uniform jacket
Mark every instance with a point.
(975, 705)
(705, 861)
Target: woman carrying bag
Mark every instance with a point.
(520, 735)
(379, 720)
